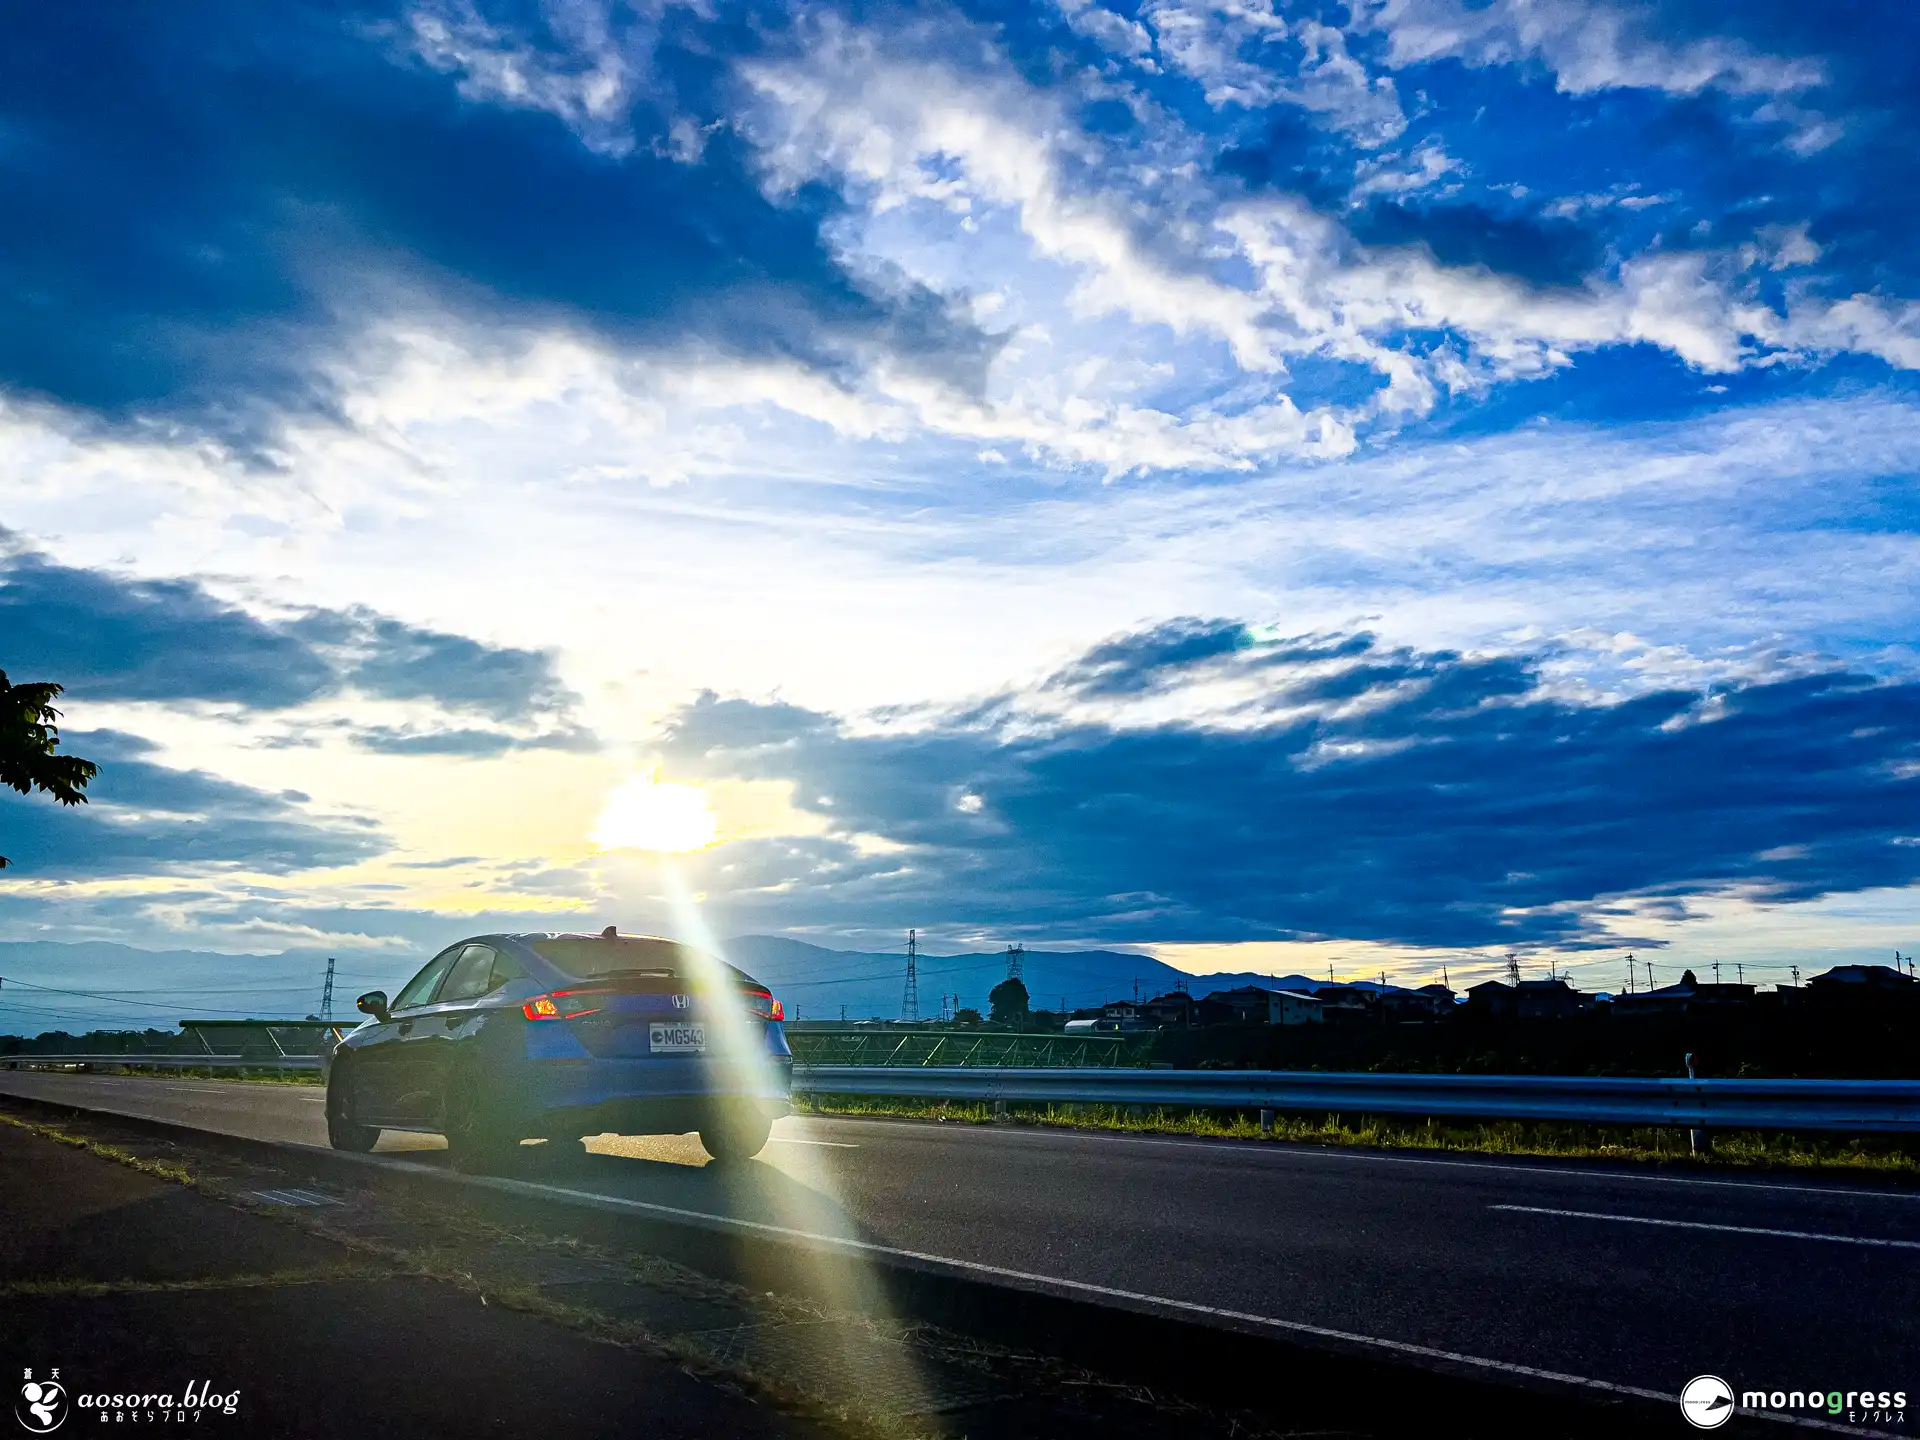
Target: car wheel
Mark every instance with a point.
(736, 1135)
(342, 1132)
(478, 1139)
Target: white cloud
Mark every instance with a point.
(589, 83)
(1587, 47)
(934, 156)
(1425, 168)
(1106, 29)
(1244, 53)
(910, 131)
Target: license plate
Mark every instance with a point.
(676, 1039)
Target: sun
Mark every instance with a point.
(646, 814)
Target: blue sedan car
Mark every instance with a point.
(503, 1038)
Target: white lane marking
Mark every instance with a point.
(1084, 1287)
(796, 1140)
(1284, 1151)
(294, 1196)
(1704, 1225)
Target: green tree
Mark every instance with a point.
(1008, 1000)
(28, 738)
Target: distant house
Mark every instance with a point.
(1490, 1000)
(1687, 994)
(1529, 1000)
(1257, 1005)
(1863, 980)
(1347, 1003)
(1171, 1011)
(1426, 1003)
(1116, 1015)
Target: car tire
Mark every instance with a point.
(479, 1141)
(736, 1135)
(342, 1132)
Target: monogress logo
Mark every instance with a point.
(43, 1405)
(1707, 1402)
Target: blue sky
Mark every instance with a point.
(1276, 484)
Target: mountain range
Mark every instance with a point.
(76, 986)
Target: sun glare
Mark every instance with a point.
(645, 814)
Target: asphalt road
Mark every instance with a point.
(1626, 1277)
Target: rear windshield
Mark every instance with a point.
(586, 956)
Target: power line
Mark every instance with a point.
(110, 999)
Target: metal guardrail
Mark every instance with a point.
(1846, 1105)
(862, 1045)
(108, 1058)
(253, 1044)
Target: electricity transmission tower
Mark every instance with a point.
(326, 993)
(910, 1000)
(1513, 968)
(1016, 957)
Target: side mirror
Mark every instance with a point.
(373, 1003)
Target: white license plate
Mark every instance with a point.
(676, 1039)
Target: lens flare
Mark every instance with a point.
(648, 814)
(793, 1188)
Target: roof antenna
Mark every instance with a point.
(612, 932)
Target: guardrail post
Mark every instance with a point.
(1266, 1122)
(1699, 1140)
(999, 1109)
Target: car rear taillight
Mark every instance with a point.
(560, 1005)
(762, 1003)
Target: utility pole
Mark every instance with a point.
(910, 1000)
(1716, 972)
(326, 993)
(1445, 979)
(1741, 971)
(1629, 974)
(1795, 969)
(843, 1014)
(1649, 965)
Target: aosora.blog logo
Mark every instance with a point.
(43, 1403)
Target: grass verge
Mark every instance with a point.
(1881, 1156)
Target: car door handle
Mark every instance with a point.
(454, 1022)
(406, 1027)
